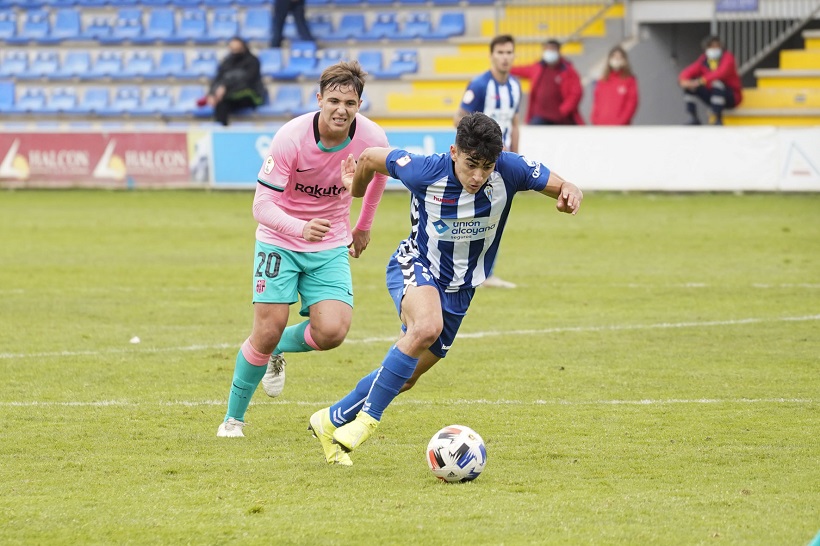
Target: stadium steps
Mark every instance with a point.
(788, 95)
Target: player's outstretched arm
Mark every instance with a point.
(372, 161)
(567, 194)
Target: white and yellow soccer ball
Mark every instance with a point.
(456, 454)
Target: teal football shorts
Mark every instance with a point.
(280, 274)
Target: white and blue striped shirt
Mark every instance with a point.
(453, 232)
(500, 101)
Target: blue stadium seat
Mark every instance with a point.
(6, 96)
(126, 100)
(417, 25)
(193, 25)
(75, 64)
(288, 99)
(127, 26)
(185, 103)
(153, 2)
(158, 100)
(225, 24)
(252, 2)
(107, 64)
(92, 3)
(15, 62)
(98, 27)
(95, 99)
(32, 100)
(43, 64)
(203, 64)
(302, 56)
(256, 25)
(272, 64)
(35, 28)
(385, 26)
(171, 64)
(321, 24)
(62, 3)
(451, 24)
(63, 100)
(67, 25)
(137, 65)
(8, 24)
(319, 3)
(371, 60)
(403, 61)
(326, 58)
(351, 26)
(161, 26)
(217, 3)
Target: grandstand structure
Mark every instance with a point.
(135, 61)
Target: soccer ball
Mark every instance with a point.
(456, 454)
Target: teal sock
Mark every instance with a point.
(293, 340)
(246, 378)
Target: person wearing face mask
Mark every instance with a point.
(237, 84)
(616, 93)
(713, 79)
(555, 89)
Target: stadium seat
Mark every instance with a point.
(125, 101)
(43, 64)
(8, 24)
(371, 60)
(384, 27)
(417, 25)
(152, 2)
(63, 100)
(75, 64)
(451, 24)
(288, 99)
(171, 64)
(321, 24)
(35, 28)
(32, 100)
(15, 62)
(272, 64)
(98, 27)
(139, 64)
(193, 25)
(325, 58)
(302, 56)
(225, 24)
(92, 3)
(351, 26)
(185, 103)
(217, 3)
(256, 25)
(67, 25)
(95, 99)
(157, 101)
(403, 61)
(62, 3)
(127, 27)
(204, 64)
(107, 64)
(161, 26)
(6, 96)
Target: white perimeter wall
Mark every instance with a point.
(679, 158)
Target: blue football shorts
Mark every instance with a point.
(404, 271)
(279, 275)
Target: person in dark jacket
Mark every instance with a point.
(238, 82)
(281, 8)
(555, 88)
(712, 78)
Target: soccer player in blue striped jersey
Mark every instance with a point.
(459, 207)
(497, 94)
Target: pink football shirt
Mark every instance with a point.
(305, 180)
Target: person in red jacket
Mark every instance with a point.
(555, 89)
(713, 78)
(616, 93)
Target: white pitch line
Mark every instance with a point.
(400, 402)
(464, 335)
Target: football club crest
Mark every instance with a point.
(260, 286)
(488, 191)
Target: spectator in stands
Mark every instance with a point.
(498, 95)
(555, 88)
(712, 78)
(281, 8)
(237, 84)
(616, 93)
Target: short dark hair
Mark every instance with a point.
(501, 40)
(555, 43)
(710, 39)
(479, 136)
(343, 74)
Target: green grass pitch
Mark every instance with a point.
(654, 379)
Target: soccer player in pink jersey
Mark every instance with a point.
(304, 237)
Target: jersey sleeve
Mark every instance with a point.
(413, 170)
(278, 164)
(473, 98)
(524, 174)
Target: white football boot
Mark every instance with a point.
(274, 380)
(230, 429)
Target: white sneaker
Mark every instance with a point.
(230, 429)
(274, 380)
(495, 282)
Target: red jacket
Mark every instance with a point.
(726, 72)
(615, 101)
(569, 87)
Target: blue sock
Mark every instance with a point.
(246, 378)
(345, 410)
(396, 369)
(293, 340)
